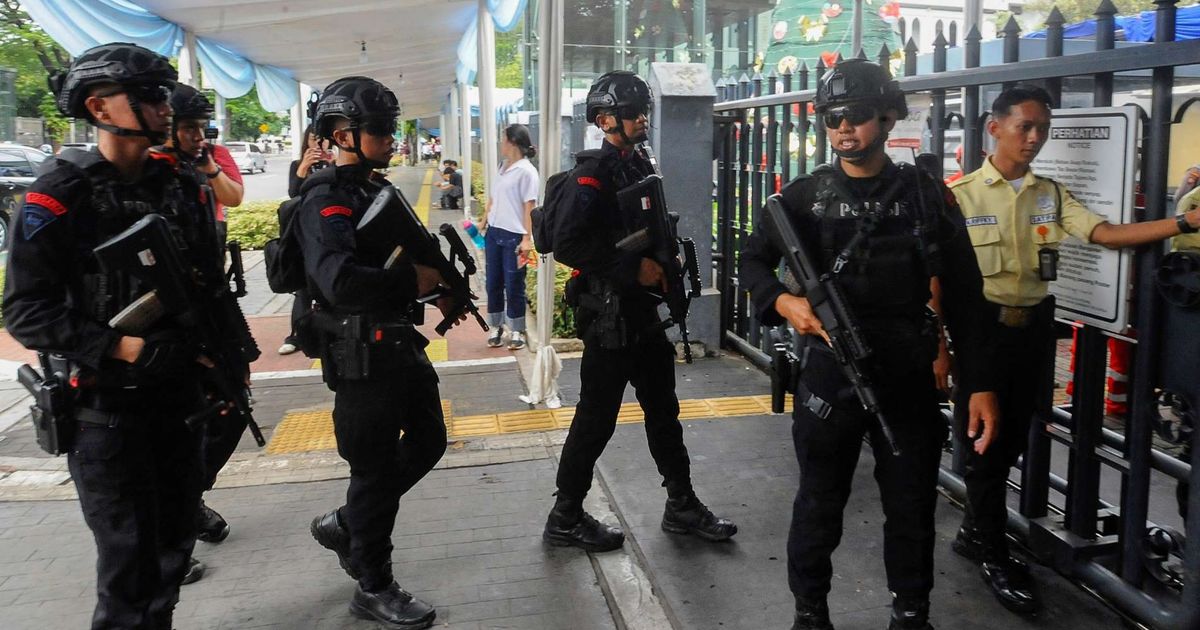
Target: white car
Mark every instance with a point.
(248, 157)
(82, 146)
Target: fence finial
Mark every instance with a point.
(1106, 8)
(1055, 18)
(1011, 27)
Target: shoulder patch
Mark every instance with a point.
(589, 181)
(34, 217)
(335, 211)
(46, 201)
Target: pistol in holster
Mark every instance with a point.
(601, 319)
(785, 370)
(51, 412)
(351, 339)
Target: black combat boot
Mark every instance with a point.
(687, 515)
(212, 528)
(569, 526)
(812, 615)
(331, 533)
(969, 544)
(393, 607)
(1011, 583)
(195, 571)
(910, 614)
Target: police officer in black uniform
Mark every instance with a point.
(913, 231)
(619, 323)
(384, 384)
(134, 461)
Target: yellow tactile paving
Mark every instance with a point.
(532, 420)
(739, 406)
(438, 350)
(425, 197)
(302, 431)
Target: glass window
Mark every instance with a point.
(254, 149)
(13, 163)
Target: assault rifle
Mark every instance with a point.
(392, 215)
(208, 311)
(832, 308)
(659, 240)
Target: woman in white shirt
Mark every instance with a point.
(507, 243)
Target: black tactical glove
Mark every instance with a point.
(166, 354)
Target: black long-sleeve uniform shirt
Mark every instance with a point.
(873, 295)
(46, 306)
(591, 224)
(343, 265)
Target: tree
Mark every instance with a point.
(1080, 10)
(26, 48)
(509, 70)
(246, 114)
(57, 125)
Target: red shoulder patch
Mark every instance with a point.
(46, 201)
(164, 156)
(589, 181)
(330, 211)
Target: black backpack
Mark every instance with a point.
(546, 217)
(283, 256)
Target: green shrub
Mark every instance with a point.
(253, 223)
(477, 186)
(564, 316)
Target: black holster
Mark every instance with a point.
(599, 316)
(351, 339)
(52, 409)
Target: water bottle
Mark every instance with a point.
(473, 232)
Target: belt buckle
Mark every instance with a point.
(1015, 316)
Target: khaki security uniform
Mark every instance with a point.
(1187, 242)
(1007, 229)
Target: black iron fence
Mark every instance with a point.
(1147, 570)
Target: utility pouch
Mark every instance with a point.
(51, 413)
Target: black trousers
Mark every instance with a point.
(1020, 372)
(603, 374)
(221, 436)
(368, 417)
(139, 486)
(828, 450)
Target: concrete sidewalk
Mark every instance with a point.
(467, 538)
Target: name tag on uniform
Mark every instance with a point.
(1039, 219)
(988, 219)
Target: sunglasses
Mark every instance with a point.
(379, 126)
(854, 114)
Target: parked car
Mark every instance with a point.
(85, 146)
(248, 157)
(18, 169)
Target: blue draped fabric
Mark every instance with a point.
(505, 16)
(78, 25)
(1137, 28)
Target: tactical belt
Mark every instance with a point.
(96, 417)
(814, 403)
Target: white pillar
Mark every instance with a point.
(464, 157)
(450, 147)
(486, 77)
(222, 119)
(550, 36)
(189, 65)
(299, 111)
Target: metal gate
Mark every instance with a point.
(1146, 570)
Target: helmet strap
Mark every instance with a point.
(144, 132)
(367, 164)
(859, 155)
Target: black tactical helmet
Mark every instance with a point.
(355, 98)
(189, 103)
(619, 91)
(121, 63)
(858, 80)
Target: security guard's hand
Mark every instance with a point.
(650, 274)
(798, 312)
(984, 410)
(428, 279)
(943, 366)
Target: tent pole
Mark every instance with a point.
(486, 79)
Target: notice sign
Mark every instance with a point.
(1092, 153)
(907, 137)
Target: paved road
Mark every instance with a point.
(269, 185)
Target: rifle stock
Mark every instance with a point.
(147, 251)
(850, 347)
(393, 214)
